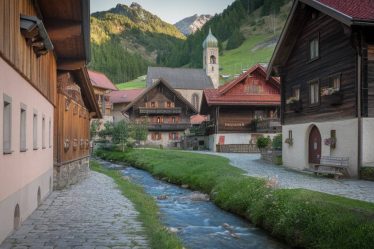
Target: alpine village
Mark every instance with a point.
(250, 126)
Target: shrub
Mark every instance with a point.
(277, 142)
(263, 142)
(367, 173)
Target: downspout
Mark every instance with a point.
(359, 103)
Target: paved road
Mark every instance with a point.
(91, 214)
(251, 163)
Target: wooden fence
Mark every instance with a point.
(237, 148)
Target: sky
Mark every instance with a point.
(170, 11)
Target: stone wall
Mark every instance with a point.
(271, 156)
(70, 173)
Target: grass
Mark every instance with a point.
(158, 236)
(138, 83)
(300, 217)
(233, 61)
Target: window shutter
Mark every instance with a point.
(170, 136)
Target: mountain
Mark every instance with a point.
(125, 40)
(190, 25)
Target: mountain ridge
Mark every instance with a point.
(191, 24)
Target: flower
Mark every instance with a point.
(291, 100)
(327, 91)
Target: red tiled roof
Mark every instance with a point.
(124, 96)
(356, 9)
(100, 80)
(198, 119)
(219, 96)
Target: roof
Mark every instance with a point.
(355, 9)
(180, 78)
(124, 96)
(220, 97)
(167, 85)
(100, 80)
(198, 119)
(210, 41)
(348, 12)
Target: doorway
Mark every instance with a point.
(315, 141)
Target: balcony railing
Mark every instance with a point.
(168, 127)
(269, 126)
(160, 111)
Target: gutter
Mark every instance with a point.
(86, 28)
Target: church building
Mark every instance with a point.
(190, 82)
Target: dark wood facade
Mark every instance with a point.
(344, 53)
(164, 109)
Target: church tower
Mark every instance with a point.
(210, 57)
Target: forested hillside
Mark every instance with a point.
(127, 39)
(231, 29)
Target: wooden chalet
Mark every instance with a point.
(325, 58)
(242, 109)
(103, 86)
(165, 110)
(47, 102)
(120, 100)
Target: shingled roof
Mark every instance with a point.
(221, 95)
(180, 78)
(124, 96)
(100, 80)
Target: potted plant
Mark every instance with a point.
(294, 104)
(332, 96)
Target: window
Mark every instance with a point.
(23, 146)
(174, 120)
(290, 134)
(43, 132)
(335, 82)
(49, 133)
(259, 115)
(296, 92)
(153, 104)
(159, 120)
(156, 136)
(173, 136)
(195, 101)
(168, 104)
(35, 131)
(314, 48)
(213, 60)
(7, 125)
(314, 92)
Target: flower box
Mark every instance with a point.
(333, 99)
(295, 106)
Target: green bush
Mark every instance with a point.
(367, 173)
(263, 142)
(277, 142)
(302, 218)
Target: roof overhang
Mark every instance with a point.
(68, 26)
(339, 16)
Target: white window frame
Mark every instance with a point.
(43, 132)
(314, 92)
(23, 128)
(7, 122)
(314, 48)
(35, 130)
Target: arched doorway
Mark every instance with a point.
(17, 217)
(315, 141)
(39, 197)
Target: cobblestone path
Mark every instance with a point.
(251, 163)
(91, 214)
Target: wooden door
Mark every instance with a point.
(315, 146)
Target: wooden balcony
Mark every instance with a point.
(160, 111)
(272, 125)
(168, 127)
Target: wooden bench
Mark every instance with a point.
(337, 166)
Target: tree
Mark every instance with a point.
(94, 128)
(139, 131)
(235, 40)
(121, 131)
(107, 131)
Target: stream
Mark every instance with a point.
(198, 222)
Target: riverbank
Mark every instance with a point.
(301, 217)
(157, 234)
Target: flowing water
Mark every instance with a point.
(198, 222)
